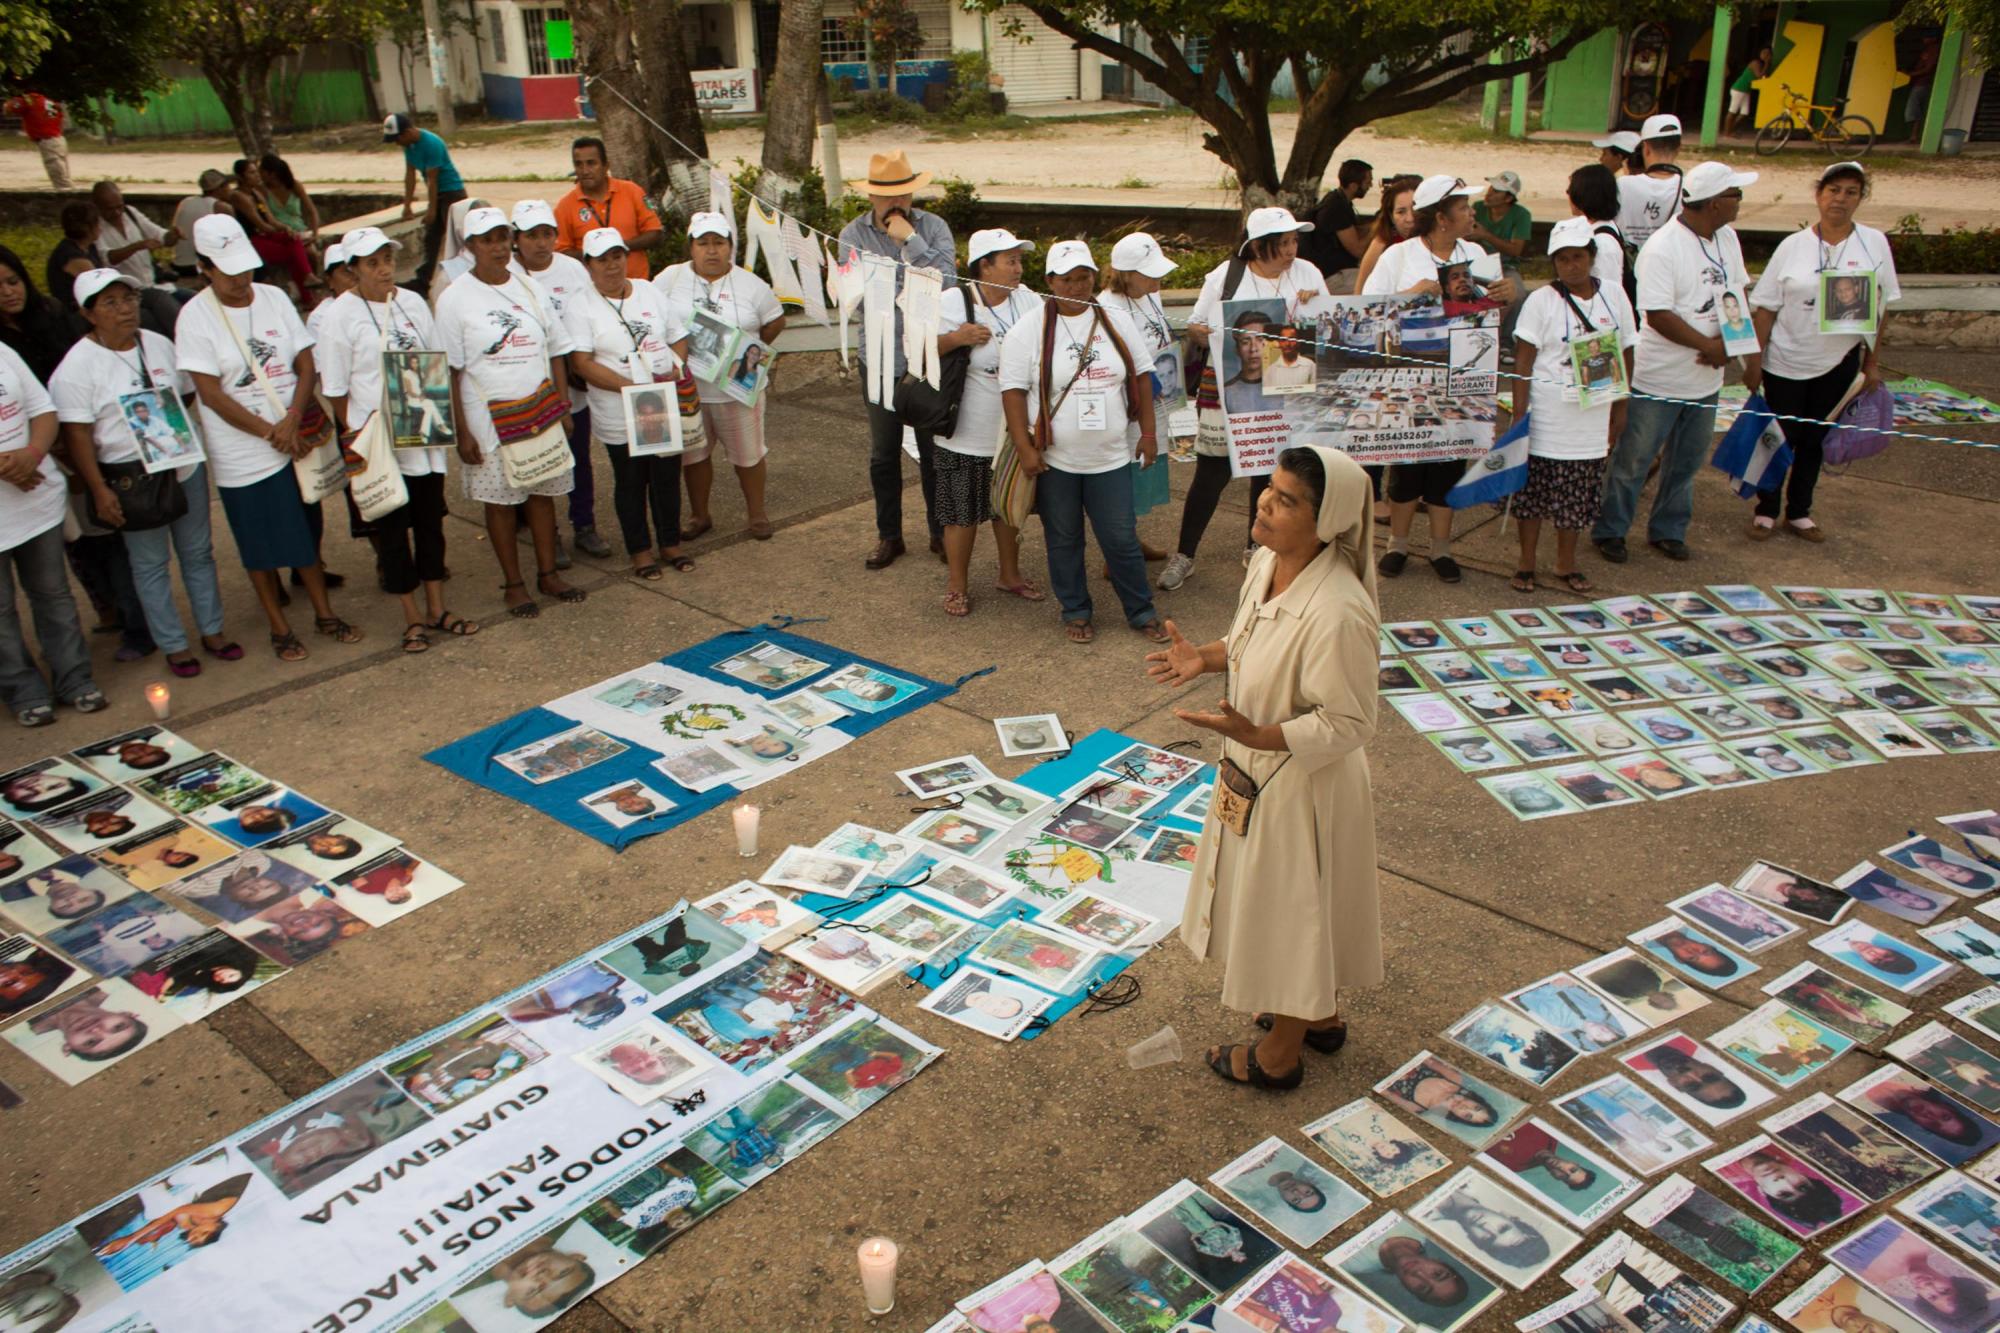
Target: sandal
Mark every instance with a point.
(1027, 590)
(447, 623)
(1079, 631)
(1222, 1060)
(527, 610)
(1153, 630)
(415, 640)
(1576, 582)
(957, 604)
(40, 715)
(185, 667)
(336, 629)
(648, 571)
(288, 648)
(680, 564)
(570, 595)
(761, 530)
(1324, 1040)
(690, 531)
(1523, 580)
(228, 652)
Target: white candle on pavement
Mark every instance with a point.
(878, 1274)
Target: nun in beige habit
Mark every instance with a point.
(1288, 904)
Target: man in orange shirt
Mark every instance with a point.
(42, 120)
(602, 200)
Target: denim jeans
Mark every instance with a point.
(38, 563)
(188, 538)
(1685, 433)
(1063, 499)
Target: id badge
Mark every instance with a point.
(1092, 412)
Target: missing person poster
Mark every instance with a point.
(160, 425)
(1389, 379)
(417, 386)
(652, 419)
(494, 1171)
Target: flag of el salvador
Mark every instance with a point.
(1495, 474)
(1753, 452)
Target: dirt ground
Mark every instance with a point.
(998, 1154)
(1153, 160)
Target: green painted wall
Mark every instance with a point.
(1576, 96)
(325, 97)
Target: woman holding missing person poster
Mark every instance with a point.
(1284, 886)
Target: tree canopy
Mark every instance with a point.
(1351, 62)
(84, 50)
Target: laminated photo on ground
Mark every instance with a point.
(1562, 1175)
(1302, 1200)
(1691, 1074)
(1495, 1228)
(1414, 1275)
(1920, 1278)
(1781, 1044)
(1447, 1098)
(1580, 1016)
(1963, 1212)
(1735, 919)
(1855, 1151)
(986, 1002)
(1645, 1133)
(1512, 1043)
(1953, 1063)
(1643, 989)
(1691, 952)
(1375, 1147)
(1939, 1123)
(1883, 958)
(1729, 1243)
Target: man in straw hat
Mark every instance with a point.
(894, 228)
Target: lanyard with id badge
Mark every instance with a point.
(1093, 406)
(1596, 358)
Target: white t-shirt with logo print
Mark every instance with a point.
(92, 378)
(1797, 349)
(1301, 282)
(25, 515)
(1559, 426)
(563, 281)
(1088, 433)
(981, 416)
(502, 338)
(353, 335)
(1681, 273)
(1409, 262)
(1646, 204)
(738, 297)
(621, 335)
(270, 329)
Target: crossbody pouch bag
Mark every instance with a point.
(1236, 792)
(321, 471)
(533, 447)
(1013, 491)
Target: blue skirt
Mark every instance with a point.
(268, 520)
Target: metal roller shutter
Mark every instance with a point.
(1043, 69)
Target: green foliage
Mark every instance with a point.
(1953, 250)
(34, 245)
(27, 31)
(80, 51)
(959, 207)
(888, 109)
(971, 87)
(1978, 19)
(891, 25)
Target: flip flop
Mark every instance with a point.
(1027, 590)
(1523, 580)
(1079, 631)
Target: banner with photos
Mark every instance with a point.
(491, 1173)
(637, 753)
(1389, 379)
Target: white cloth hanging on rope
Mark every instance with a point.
(805, 260)
(878, 327)
(718, 193)
(844, 289)
(920, 323)
(761, 236)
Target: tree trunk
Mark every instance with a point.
(669, 87)
(228, 85)
(794, 90)
(257, 81)
(603, 30)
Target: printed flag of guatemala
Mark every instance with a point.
(1753, 452)
(1495, 474)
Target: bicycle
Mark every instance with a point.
(1830, 126)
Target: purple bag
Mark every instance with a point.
(1858, 433)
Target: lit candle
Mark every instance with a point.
(159, 697)
(878, 1274)
(745, 816)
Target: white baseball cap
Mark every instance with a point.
(1625, 141)
(336, 255)
(1712, 178)
(532, 213)
(366, 241)
(1843, 166)
(710, 224)
(1659, 127)
(602, 241)
(1272, 221)
(219, 238)
(96, 280)
(1140, 253)
(1434, 190)
(991, 241)
(1508, 181)
(1067, 255)
(479, 221)
(1572, 232)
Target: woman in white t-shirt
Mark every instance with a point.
(1567, 440)
(33, 501)
(1132, 288)
(1271, 269)
(507, 346)
(1416, 267)
(624, 336)
(103, 423)
(374, 317)
(711, 282)
(1807, 372)
(1069, 383)
(251, 361)
(963, 496)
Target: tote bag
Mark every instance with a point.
(321, 471)
(378, 488)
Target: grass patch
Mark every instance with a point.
(1135, 183)
(33, 245)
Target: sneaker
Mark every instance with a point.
(1175, 574)
(1391, 564)
(90, 701)
(587, 541)
(1612, 549)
